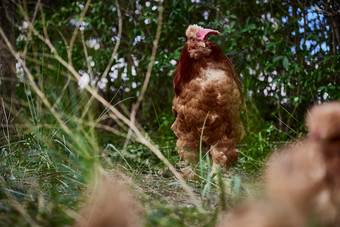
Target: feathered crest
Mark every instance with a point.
(192, 30)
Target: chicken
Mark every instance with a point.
(324, 131)
(302, 180)
(260, 213)
(207, 93)
(295, 177)
(306, 175)
(111, 205)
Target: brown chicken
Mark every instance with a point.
(306, 175)
(207, 92)
(324, 131)
(295, 177)
(111, 204)
(260, 213)
(302, 180)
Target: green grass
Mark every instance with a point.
(45, 173)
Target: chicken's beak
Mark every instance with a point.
(201, 44)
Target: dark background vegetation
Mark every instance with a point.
(286, 52)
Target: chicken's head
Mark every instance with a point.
(197, 41)
(323, 122)
(324, 127)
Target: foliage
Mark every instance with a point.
(286, 52)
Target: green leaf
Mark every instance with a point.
(322, 88)
(277, 58)
(285, 63)
(232, 24)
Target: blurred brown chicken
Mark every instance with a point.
(324, 131)
(306, 175)
(111, 205)
(302, 180)
(207, 90)
(260, 213)
(295, 176)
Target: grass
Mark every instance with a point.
(45, 174)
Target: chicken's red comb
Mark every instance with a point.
(201, 34)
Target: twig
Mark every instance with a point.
(75, 32)
(6, 127)
(120, 28)
(29, 36)
(88, 63)
(114, 53)
(148, 73)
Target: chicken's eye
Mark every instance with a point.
(192, 39)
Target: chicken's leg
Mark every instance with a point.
(224, 153)
(214, 170)
(188, 172)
